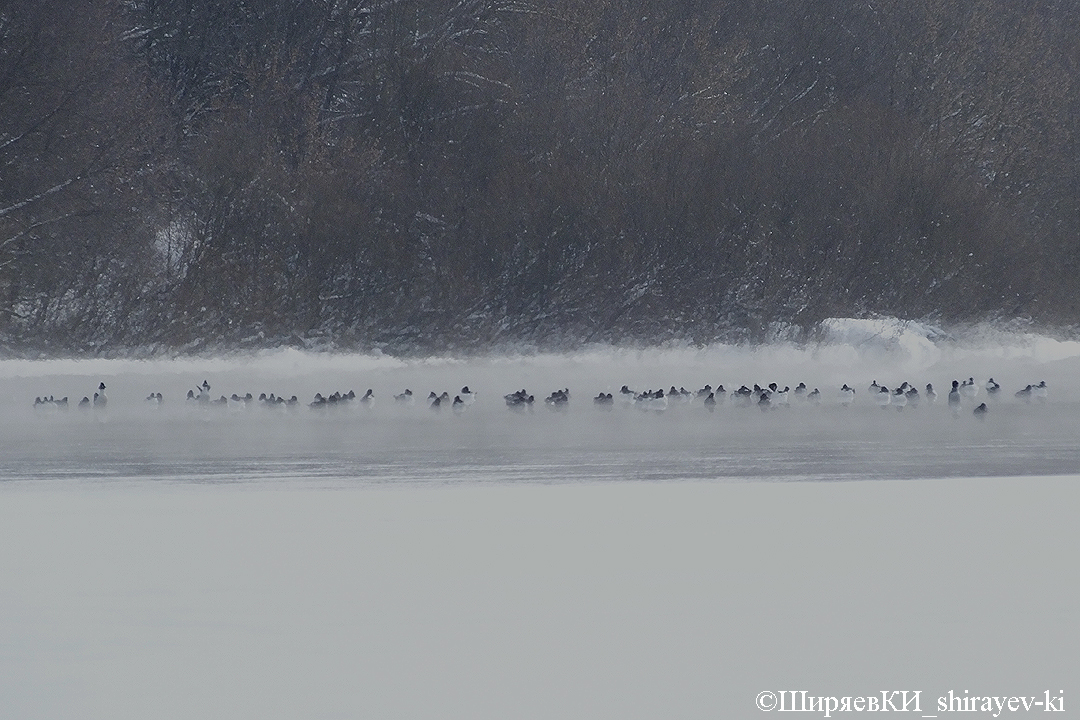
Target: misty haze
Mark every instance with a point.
(498, 359)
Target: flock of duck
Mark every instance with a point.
(771, 397)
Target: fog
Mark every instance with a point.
(398, 562)
(391, 442)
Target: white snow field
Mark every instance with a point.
(397, 562)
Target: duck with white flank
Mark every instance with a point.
(969, 389)
(883, 396)
(931, 396)
(847, 394)
(467, 396)
(100, 400)
(992, 388)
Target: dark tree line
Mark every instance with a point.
(422, 175)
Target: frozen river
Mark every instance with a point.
(397, 562)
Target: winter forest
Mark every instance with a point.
(410, 175)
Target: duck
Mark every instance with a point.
(800, 391)
(814, 397)
(458, 405)
(981, 411)
(153, 400)
(883, 396)
(520, 400)
(743, 397)
(100, 399)
(931, 396)
(84, 404)
(847, 394)
(764, 402)
(467, 396)
(604, 400)
(558, 400)
(710, 402)
(1040, 391)
(1024, 394)
(913, 397)
(969, 389)
(992, 387)
(650, 400)
(368, 400)
(899, 398)
(204, 392)
(954, 396)
(46, 404)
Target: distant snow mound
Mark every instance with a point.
(909, 342)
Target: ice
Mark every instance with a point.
(396, 562)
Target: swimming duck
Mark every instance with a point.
(954, 396)
(1040, 391)
(847, 394)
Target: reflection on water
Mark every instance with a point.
(489, 443)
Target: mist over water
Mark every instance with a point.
(393, 561)
(488, 442)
